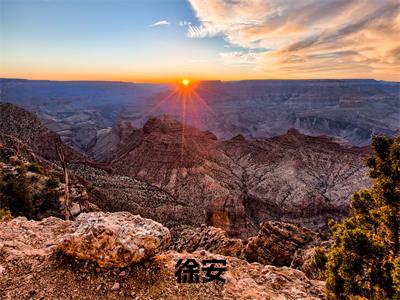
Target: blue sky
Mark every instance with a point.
(164, 40)
(106, 39)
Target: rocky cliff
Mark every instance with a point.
(26, 127)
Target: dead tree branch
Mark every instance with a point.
(61, 157)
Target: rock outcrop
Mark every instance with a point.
(212, 239)
(115, 239)
(31, 267)
(307, 260)
(277, 243)
(21, 239)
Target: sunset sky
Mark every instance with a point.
(166, 40)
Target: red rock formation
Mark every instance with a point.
(237, 184)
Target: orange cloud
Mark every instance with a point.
(335, 38)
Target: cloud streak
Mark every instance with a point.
(310, 38)
(160, 23)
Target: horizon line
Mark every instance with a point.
(205, 80)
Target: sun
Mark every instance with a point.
(185, 82)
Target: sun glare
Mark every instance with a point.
(183, 100)
(185, 82)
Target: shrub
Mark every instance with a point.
(16, 194)
(35, 168)
(52, 183)
(34, 179)
(364, 259)
(318, 261)
(5, 215)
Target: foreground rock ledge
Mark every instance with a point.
(115, 239)
(31, 270)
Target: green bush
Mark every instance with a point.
(318, 261)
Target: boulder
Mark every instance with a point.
(115, 239)
(277, 243)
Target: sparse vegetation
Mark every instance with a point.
(364, 260)
(34, 179)
(34, 167)
(52, 183)
(49, 202)
(23, 195)
(318, 261)
(15, 194)
(5, 215)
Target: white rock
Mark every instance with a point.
(115, 239)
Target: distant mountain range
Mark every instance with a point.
(350, 110)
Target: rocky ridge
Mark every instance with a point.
(212, 239)
(26, 127)
(33, 187)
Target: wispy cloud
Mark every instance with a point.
(184, 23)
(160, 23)
(308, 38)
(202, 31)
(241, 57)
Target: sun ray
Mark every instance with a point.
(203, 101)
(161, 102)
(183, 122)
(194, 113)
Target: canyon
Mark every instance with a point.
(350, 110)
(182, 176)
(252, 174)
